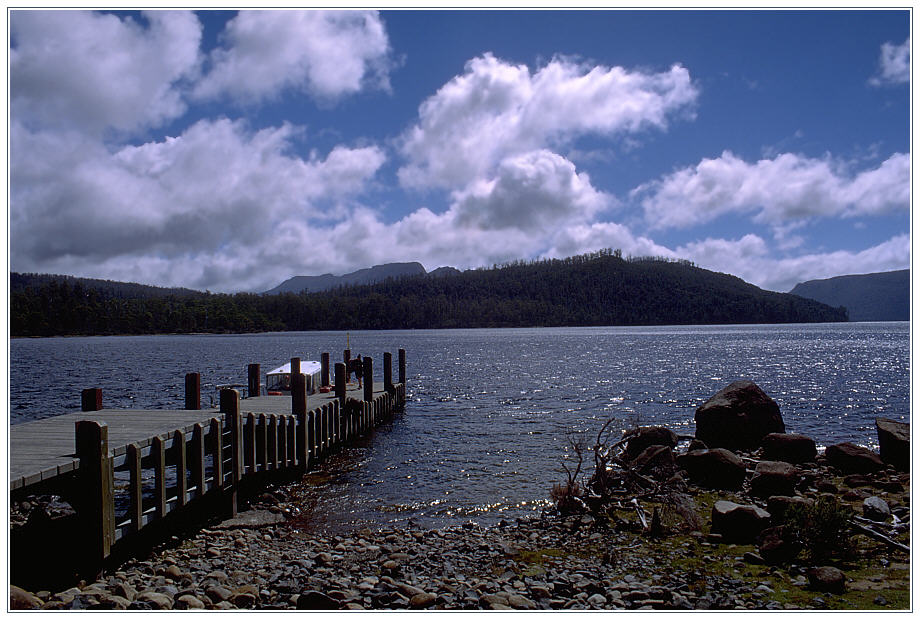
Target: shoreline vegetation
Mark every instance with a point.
(763, 523)
(599, 289)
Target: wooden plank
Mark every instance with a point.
(159, 477)
(135, 490)
(197, 466)
(217, 452)
(181, 467)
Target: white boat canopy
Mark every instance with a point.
(306, 368)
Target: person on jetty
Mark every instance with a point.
(357, 366)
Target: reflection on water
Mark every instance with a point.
(489, 411)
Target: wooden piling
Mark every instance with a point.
(387, 372)
(91, 399)
(346, 357)
(255, 380)
(295, 366)
(324, 369)
(97, 510)
(298, 393)
(367, 365)
(402, 366)
(193, 390)
(340, 378)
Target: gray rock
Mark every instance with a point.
(717, 468)
(649, 436)
(738, 416)
(894, 442)
(188, 601)
(774, 478)
(789, 447)
(311, 599)
(738, 523)
(422, 600)
(23, 599)
(827, 579)
(876, 508)
(852, 459)
(158, 599)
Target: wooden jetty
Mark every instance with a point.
(177, 461)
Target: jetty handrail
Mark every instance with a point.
(180, 470)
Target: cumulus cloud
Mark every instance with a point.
(326, 54)
(497, 109)
(893, 65)
(76, 69)
(751, 259)
(208, 197)
(780, 190)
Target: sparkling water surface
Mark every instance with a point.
(491, 411)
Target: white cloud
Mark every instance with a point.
(893, 65)
(780, 191)
(92, 71)
(205, 199)
(326, 54)
(750, 259)
(496, 110)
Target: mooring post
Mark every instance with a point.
(298, 394)
(91, 399)
(230, 406)
(387, 372)
(347, 359)
(255, 380)
(368, 367)
(324, 369)
(97, 510)
(295, 366)
(402, 366)
(340, 382)
(193, 390)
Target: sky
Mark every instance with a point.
(230, 150)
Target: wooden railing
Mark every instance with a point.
(178, 471)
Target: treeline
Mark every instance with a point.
(597, 289)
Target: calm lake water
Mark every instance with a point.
(490, 410)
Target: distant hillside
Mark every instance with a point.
(594, 289)
(881, 296)
(110, 288)
(371, 275)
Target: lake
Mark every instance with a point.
(491, 411)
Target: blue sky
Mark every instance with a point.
(228, 151)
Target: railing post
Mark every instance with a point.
(97, 482)
(91, 399)
(193, 390)
(298, 393)
(181, 468)
(387, 372)
(198, 452)
(158, 450)
(346, 357)
(402, 365)
(136, 489)
(340, 378)
(216, 430)
(324, 369)
(230, 405)
(255, 380)
(302, 443)
(368, 367)
(271, 437)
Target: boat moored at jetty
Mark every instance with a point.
(278, 381)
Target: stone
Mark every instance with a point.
(218, 594)
(738, 417)
(158, 599)
(852, 459)
(894, 442)
(776, 546)
(188, 601)
(855, 495)
(597, 600)
(789, 447)
(658, 460)
(422, 600)
(245, 597)
(777, 505)
(827, 579)
(696, 444)
(738, 523)
(716, 468)
(650, 436)
(774, 478)
(517, 601)
(22, 599)
(876, 509)
(311, 599)
(856, 480)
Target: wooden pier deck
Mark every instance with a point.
(44, 449)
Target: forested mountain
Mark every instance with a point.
(325, 282)
(595, 289)
(881, 296)
(109, 288)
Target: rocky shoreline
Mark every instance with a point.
(676, 528)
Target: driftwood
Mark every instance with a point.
(640, 512)
(868, 531)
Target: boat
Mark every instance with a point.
(278, 381)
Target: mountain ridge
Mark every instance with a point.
(879, 296)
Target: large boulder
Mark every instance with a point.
(717, 468)
(655, 460)
(738, 523)
(650, 436)
(827, 579)
(738, 417)
(894, 442)
(852, 459)
(774, 478)
(789, 447)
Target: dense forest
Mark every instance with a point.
(601, 288)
